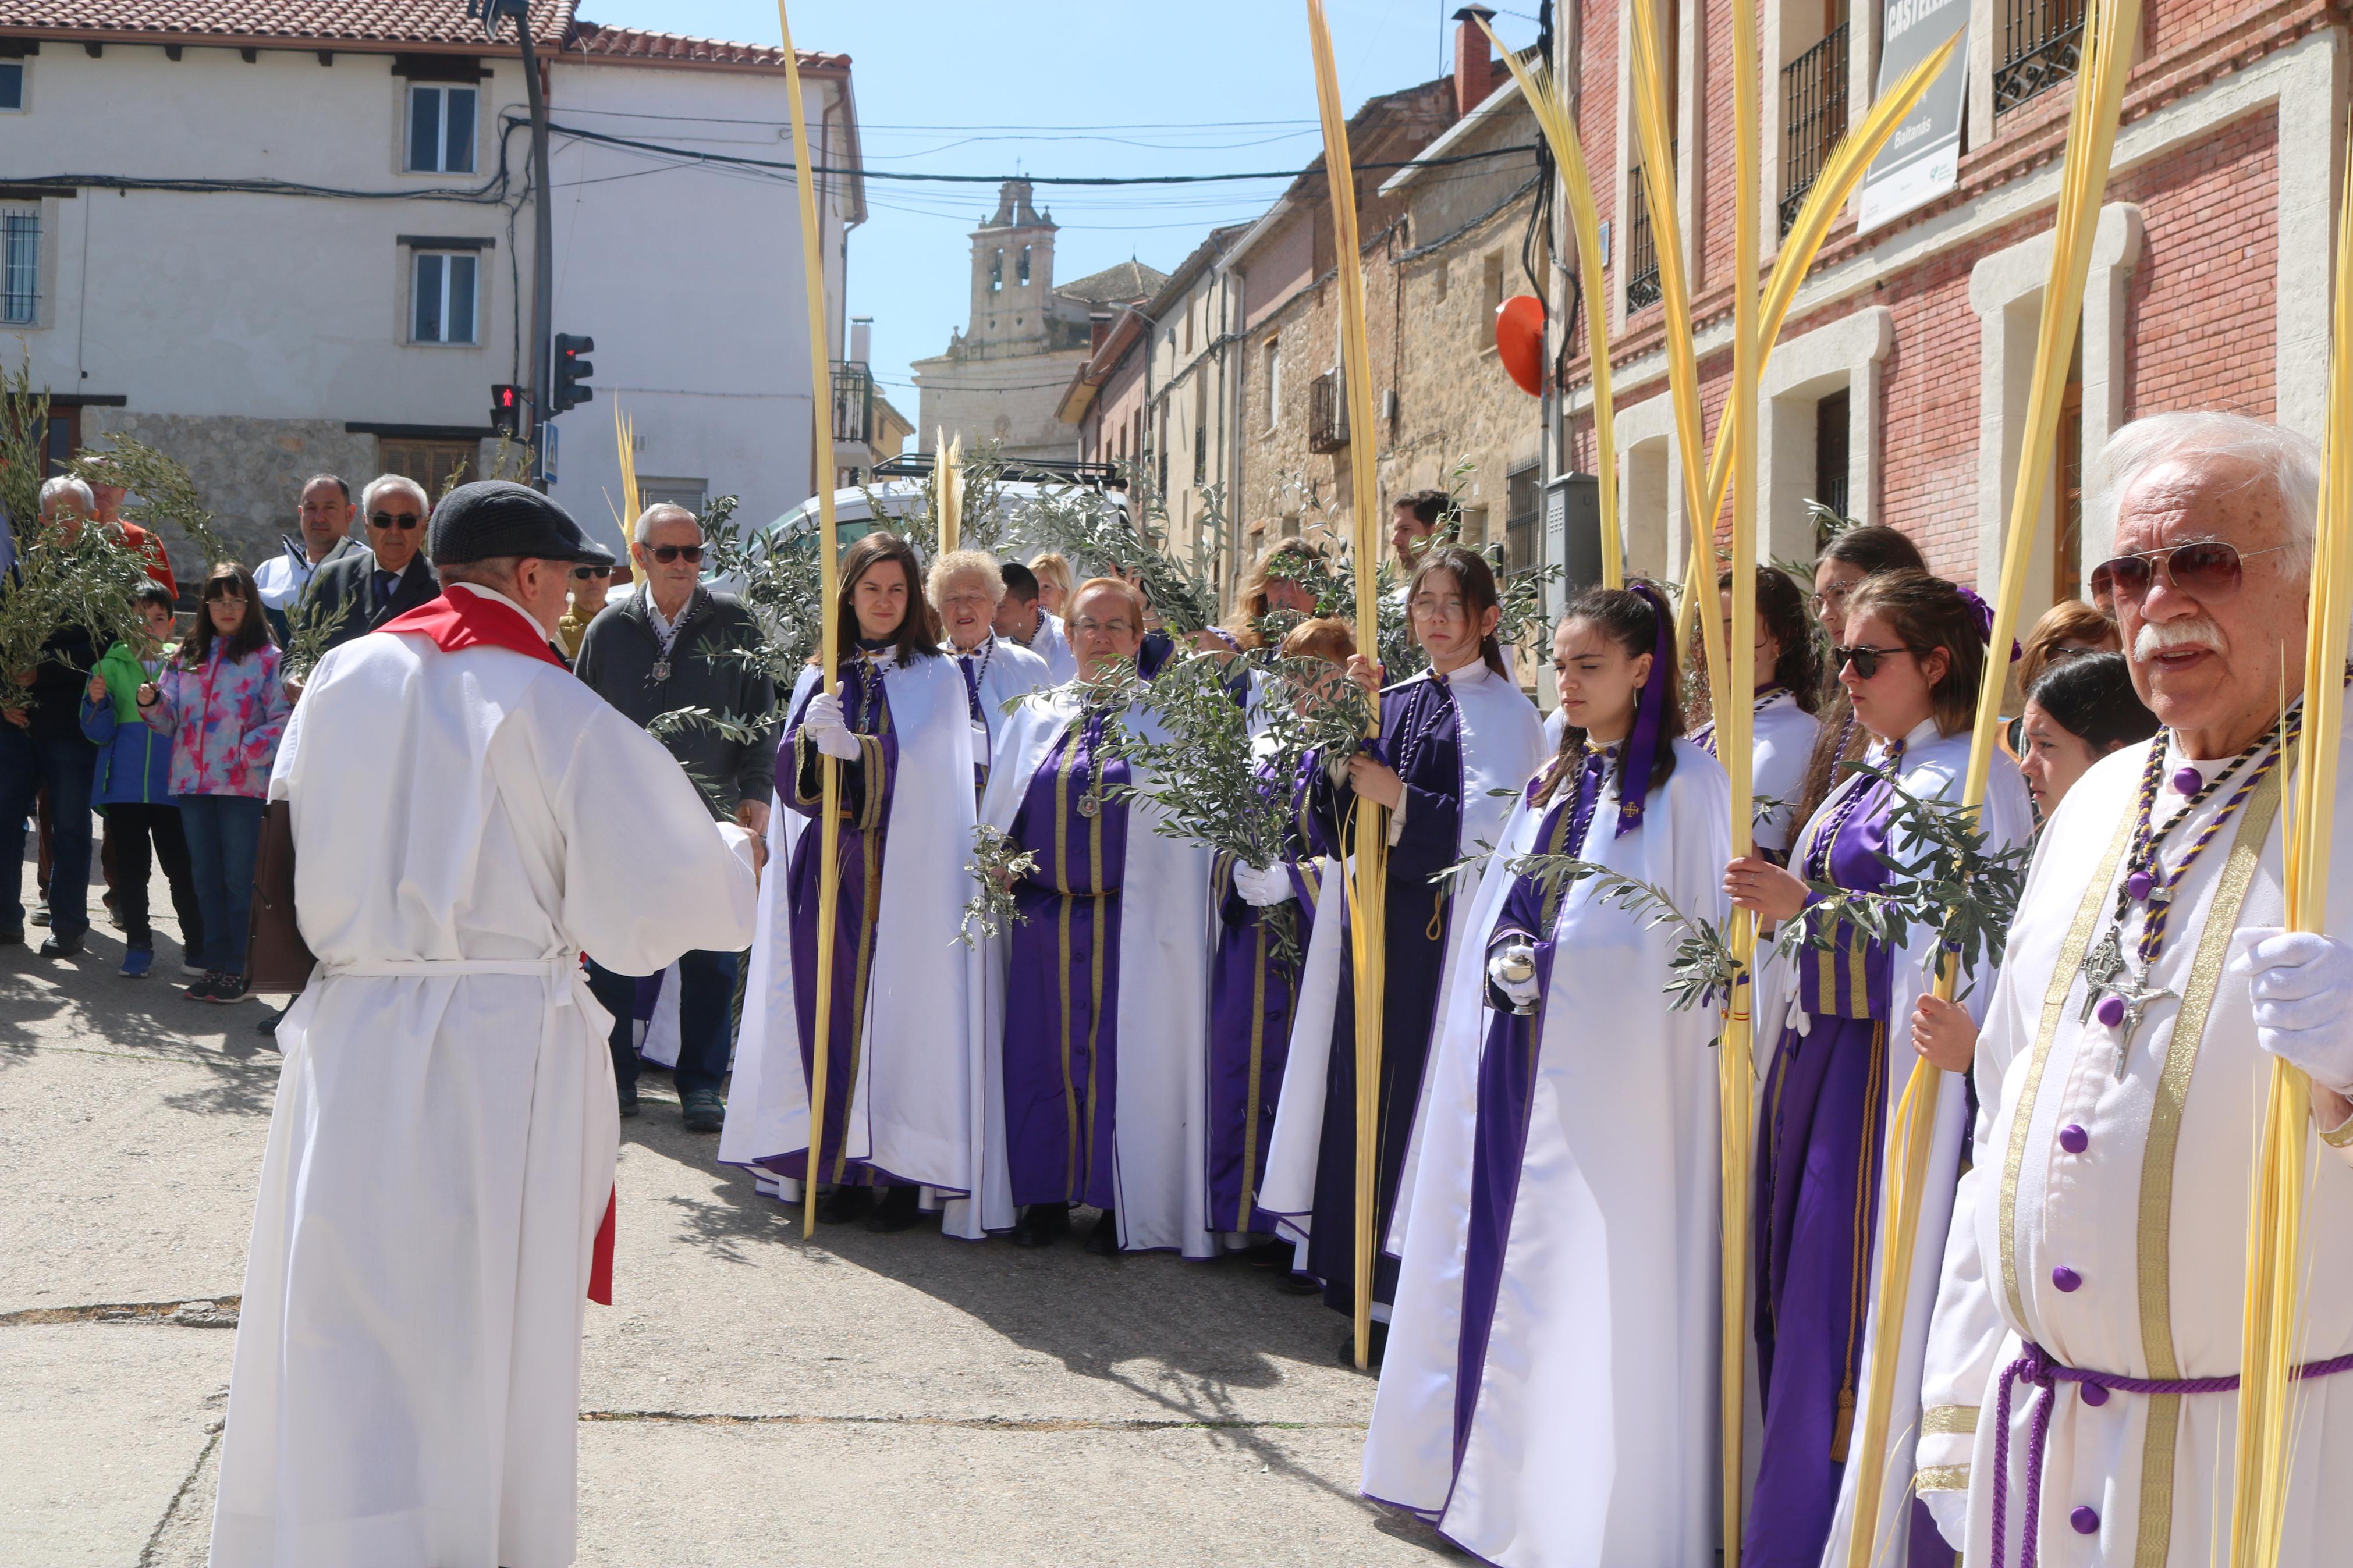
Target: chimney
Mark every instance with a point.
(861, 339)
(1098, 330)
(1474, 67)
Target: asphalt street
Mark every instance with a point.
(750, 1399)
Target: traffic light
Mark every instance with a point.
(572, 372)
(506, 409)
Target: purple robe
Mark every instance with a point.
(1061, 1011)
(1253, 991)
(1817, 1205)
(1421, 738)
(865, 811)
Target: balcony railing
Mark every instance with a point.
(1813, 108)
(2041, 43)
(1327, 412)
(854, 403)
(1641, 249)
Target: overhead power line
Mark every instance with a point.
(912, 176)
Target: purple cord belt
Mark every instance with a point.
(2036, 1367)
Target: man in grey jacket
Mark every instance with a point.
(668, 646)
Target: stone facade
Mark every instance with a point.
(249, 471)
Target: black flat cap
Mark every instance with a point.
(491, 518)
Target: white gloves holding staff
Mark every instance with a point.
(2302, 983)
(821, 723)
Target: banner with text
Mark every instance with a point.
(1923, 159)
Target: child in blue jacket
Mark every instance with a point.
(134, 787)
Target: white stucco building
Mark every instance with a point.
(273, 245)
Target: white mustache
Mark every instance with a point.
(2164, 636)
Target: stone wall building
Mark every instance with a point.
(1898, 389)
(1002, 377)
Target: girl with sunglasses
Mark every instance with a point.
(1849, 558)
(1456, 743)
(1562, 1218)
(1911, 660)
(222, 701)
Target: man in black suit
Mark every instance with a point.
(363, 589)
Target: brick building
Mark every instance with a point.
(1897, 388)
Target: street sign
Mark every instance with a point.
(1921, 159)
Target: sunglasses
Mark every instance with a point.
(2208, 571)
(226, 588)
(400, 520)
(582, 574)
(666, 553)
(1865, 659)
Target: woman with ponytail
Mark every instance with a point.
(1457, 741)
(1912, 659)
(1557, 1298)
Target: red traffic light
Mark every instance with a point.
(506, 408)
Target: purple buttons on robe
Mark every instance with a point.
(2073, 1139)
(2085, 1520)
(2137, 884)
(2095, 1394)
(2187, 781)
(2066, 1279)
(2111, 1010)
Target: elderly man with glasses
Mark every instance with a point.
(676, 644)
(385, 578)
(2085, 1346)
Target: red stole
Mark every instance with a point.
(464, 620)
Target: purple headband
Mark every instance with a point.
(1650, 715)
(1982, 613)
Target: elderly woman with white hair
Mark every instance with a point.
(360, 591)
(966, 586)
(2080, 1370)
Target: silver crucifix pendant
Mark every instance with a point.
(2102, 966)
(2122, 1009)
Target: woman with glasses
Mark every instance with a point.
(1456, 743)
(897, 1115)
(1911, 659)
(1787, 694)
(1558, 1297)
(1849, 558)
(220, 699)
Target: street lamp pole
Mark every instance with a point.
(537, 372)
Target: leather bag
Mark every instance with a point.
(276, 960)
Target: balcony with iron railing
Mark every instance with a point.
(1814, 113)
(854, 403)
(2041, 45)
(1642, 247)
(1327, 412)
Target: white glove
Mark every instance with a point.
(1513, 971)
(2302, 983)
(1262, 890)
(821, 723)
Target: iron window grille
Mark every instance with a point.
(1327, 414)
(20, 266)
(854, 403)
(1813, 102)
(1642, 249)
(2041, 45)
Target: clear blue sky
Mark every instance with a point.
(1116, 87)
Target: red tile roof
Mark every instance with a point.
(360, 24)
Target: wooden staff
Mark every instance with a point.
(1366, 930)
(2110, 26)
(2268, 1336)
(828, 872)
(1548, 101)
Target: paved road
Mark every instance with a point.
(750, 1399)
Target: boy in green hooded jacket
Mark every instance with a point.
(133, 786)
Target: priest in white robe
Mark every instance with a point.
(2095, 1276)
(438, 1186)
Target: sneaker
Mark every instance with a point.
(201, 990)
(705, 1111)
(40, 915)
(58, 946)
(227, 988)
(137, 962)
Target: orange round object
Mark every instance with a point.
(1519, 340)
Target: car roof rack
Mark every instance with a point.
(1026, 470)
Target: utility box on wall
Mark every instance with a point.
(1572, 536)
